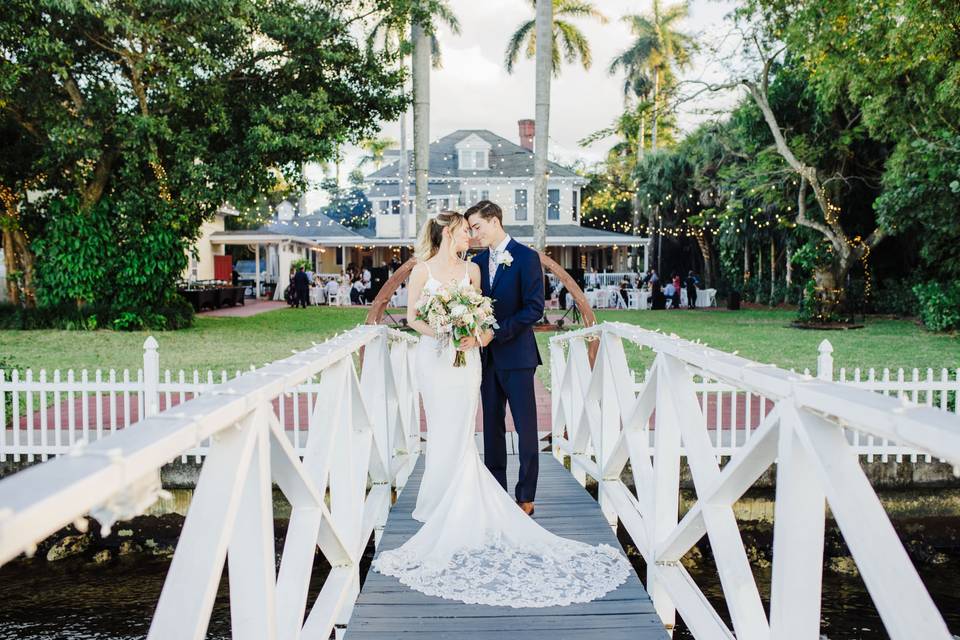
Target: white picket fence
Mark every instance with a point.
(55, 411)
(734, 414)
(602, 421)
(361, 447)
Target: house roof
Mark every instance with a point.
(507, 160)
(316, 227)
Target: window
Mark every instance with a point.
(576, 204)
(474, 193)
(484, 195)
(462, 199)
(384, 207)
(395, 207)
(480, 159)
(520, 204)
(553, 204)
(445, 204)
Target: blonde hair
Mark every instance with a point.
(431, 233)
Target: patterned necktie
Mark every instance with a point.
(493, 264)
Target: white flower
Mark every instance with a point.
(458, 310)
(504, 258)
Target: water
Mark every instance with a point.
(847, 612)
(75, 599)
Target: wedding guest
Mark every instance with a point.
(676, 291)
(333, 289)
(692, 283)
(302, 288)
(356, 292)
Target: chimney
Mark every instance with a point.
(527, 129)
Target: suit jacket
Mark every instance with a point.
(300, 280)
(517, 293)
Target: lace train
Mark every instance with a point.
(501, 574)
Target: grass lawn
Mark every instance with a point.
(212, 343)
(764, 335)
(236, 343)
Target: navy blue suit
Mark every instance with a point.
(509, 364)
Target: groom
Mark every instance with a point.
(511, 275)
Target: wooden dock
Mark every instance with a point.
(387, 610)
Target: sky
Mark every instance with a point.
(474, 91)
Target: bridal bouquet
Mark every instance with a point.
(455, 311)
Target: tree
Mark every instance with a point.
(648, 65)
(409, 27)
(544, 35)
(158, 113)
(567, 40)
(899, 66)
(658, 51)
(376, 148)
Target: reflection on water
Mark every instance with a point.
(847, 612)
(75, 599)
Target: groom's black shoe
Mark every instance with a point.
(526, 506)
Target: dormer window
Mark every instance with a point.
(470, 159)
(473, 152)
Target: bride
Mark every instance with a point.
(477, 545)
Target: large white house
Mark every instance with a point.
(470, 165)
(465, 167)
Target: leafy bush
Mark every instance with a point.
(895, 297)
(939, 305)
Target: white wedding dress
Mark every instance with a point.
(477, 546)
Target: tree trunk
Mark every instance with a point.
(656, 108)
(403, 177)
(636, 196)
(544, 32)
(773, 268)
(421, 118)
(707, 252)
(10, 263)
(789, 276)
(746, 262)
(758, 298)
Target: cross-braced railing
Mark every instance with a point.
(362, 444)
(602, 422)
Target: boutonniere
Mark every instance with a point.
(504, 258)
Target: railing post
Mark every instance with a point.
(151, 377)
(825, 361)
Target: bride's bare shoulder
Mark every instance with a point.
(419, 272)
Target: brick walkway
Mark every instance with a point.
(250, 308)
(758, 409)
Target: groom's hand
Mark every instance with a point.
(486, 337)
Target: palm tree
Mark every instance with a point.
(574, 43)
(399, 32)
(659, 48)
(648, 66)
(376, 148)
(544, 36)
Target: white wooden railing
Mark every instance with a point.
(56, 409)
(601, 422)
(360, 447)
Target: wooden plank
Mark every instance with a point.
(387, 609)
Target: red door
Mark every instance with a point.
(223, 268)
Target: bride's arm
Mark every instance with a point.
(418, 277)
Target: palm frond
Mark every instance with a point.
(574, 44)
(515, 42)
(578, 9)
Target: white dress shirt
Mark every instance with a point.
(494, 252)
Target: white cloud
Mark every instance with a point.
(473, 90)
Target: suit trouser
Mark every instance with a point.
(513, 386)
